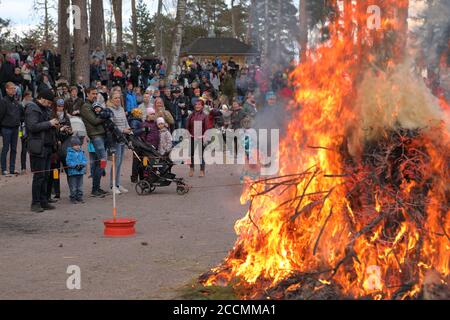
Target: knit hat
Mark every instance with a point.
(160, 120)
(136, 112)
(60, 102)
(270, 94)
(46, 94)
(75, 141)
(150, 110)
(96, 105)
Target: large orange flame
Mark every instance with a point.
(327, 218)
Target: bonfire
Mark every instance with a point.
(360, 208)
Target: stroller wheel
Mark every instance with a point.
(182, 189)
(143, 188)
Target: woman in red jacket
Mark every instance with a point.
(197, 124)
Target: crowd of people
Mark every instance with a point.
(54, 119)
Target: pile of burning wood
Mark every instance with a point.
(361, 208)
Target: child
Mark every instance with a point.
(150, 132)
(251, 167)
(136, 125)
(76, 162)
(226, 113)
(165, 138)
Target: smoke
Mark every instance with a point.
(392, 100)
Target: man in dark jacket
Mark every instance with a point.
(41, 140)
(6, 74)
(179, 107)
(96, 132)
(74, 103)
(9, 123)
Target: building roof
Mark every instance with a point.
(219, 46)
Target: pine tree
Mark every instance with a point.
(145, 29)
(46, 29)
(5, 33)
(276, 26)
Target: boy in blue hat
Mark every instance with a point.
(76, 161)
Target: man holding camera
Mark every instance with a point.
(97, 134)
(41, 140)
(179, 109)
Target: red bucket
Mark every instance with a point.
(122, 227)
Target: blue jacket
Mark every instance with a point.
(130, 101)
(73, 159)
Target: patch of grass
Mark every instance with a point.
(195, 291)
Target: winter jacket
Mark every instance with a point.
(75, 158)
(236, 118)
(249, 109)
(9, 113)
(6, 72)
(130, 101)
(72, 105)
(26, 72)
(119, 118)
(136, 126)
(39, 129)
(94, 125)
(215, 118)
(197, 117)
(179, 108)
(167, 117)
(144, 106)
(78, 127)
(94, 72)
(165, 141)
(151, 133)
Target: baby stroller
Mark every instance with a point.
(155, 169)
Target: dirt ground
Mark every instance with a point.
(178, 238)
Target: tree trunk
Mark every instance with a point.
(233, 19)
(64, 38)
(158, 31)
(134, 26)
(110, 26)
(117, 7)
(81, 45)
(46, 25)
(251, 20)
(265, 53)
(279, 30)
(303, 32)
(97, 24)
(177, 39)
